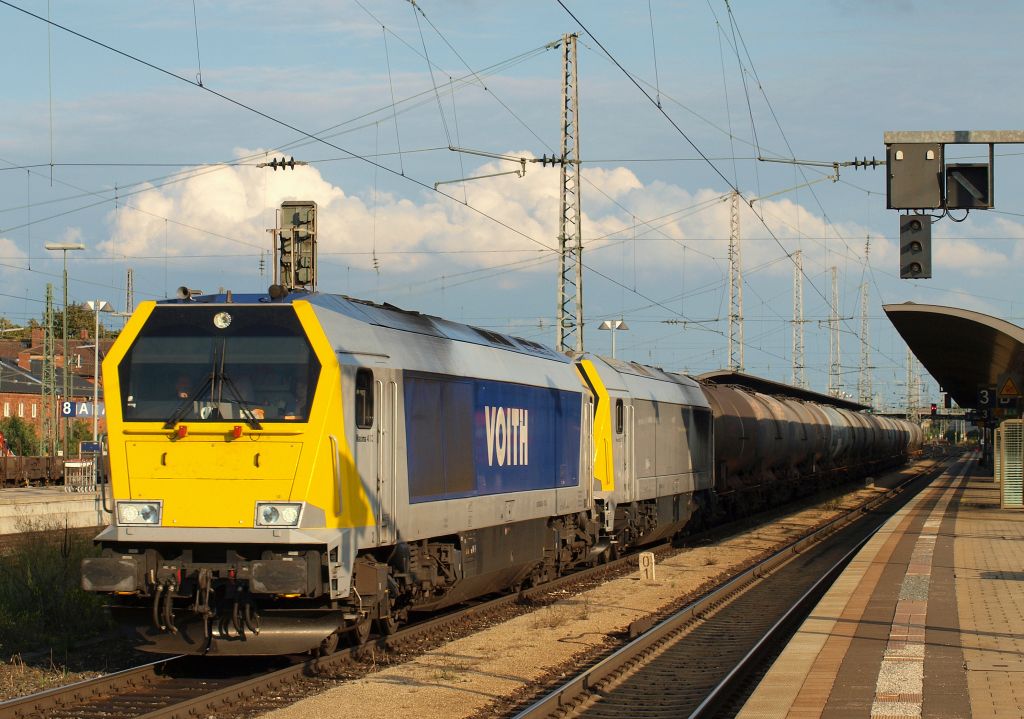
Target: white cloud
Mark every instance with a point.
(226, 210)
(72, 234)
(11, 256)
(963, 299)
(966, 256)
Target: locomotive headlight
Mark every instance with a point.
(278, 514)
(138, 513)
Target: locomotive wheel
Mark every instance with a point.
(389, 624)
(386, 625)
(360, 632)
(328, 646)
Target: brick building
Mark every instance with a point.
(21, 376)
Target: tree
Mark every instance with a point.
(81, 431)
(20, 435)
(80, 318)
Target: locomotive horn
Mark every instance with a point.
(184, 293)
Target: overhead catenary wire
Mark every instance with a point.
(49, 83)
(430, 69)
(230, 99)
(199, 60)
(738, 42)
(648, 236)
(508, 109)
(394, 107)
(689, 141)
(311, 136)
(654, 53)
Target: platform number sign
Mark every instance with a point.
(80, 409)
(986, 397)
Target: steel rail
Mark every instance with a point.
(718, 694)
(36, 704)
(648, 634)
(91, 690)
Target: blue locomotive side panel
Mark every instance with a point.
(468, 437)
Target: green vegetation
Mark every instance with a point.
(41, 604)
(80, 318)
(20, 435)
(80, 431)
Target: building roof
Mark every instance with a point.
(15, 380)
(963, 350)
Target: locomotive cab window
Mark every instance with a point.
(364, 398)
(618, 416)
(219, 363)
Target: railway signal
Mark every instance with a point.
(915, 247)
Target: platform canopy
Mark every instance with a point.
(963, 350)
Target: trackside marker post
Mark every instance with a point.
(647, 566)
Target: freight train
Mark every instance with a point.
(293, 468)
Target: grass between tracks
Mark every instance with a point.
(42, 607)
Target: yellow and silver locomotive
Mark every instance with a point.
(288, 471)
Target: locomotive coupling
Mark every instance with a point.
(125, 574)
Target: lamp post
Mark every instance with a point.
(64, 247)
(97, 307)
(613, 325)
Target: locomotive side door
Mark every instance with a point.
(629, 471)
(623, 454)
(367, 397)
(387, 529)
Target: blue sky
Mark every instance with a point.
(158, 175)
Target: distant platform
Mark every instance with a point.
(926, 621)
(27, 509)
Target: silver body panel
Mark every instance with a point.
(653, 455)
(381, 452)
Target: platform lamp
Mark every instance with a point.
(64, 247)
(613, 325)
(97, 306)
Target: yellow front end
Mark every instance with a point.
(211, 474)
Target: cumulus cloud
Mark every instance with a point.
(227, 209)
(966, 256)
(72, 234)
(11, 256)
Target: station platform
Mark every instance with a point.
(33, 509)
(926, 621)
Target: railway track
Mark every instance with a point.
(702, 660)
(184, 687)
(180, 687)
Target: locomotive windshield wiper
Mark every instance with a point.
(221, 380)
(187, 403)
(250, 417)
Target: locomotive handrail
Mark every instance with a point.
(103, 497)
(336, 466)
(106, 476)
